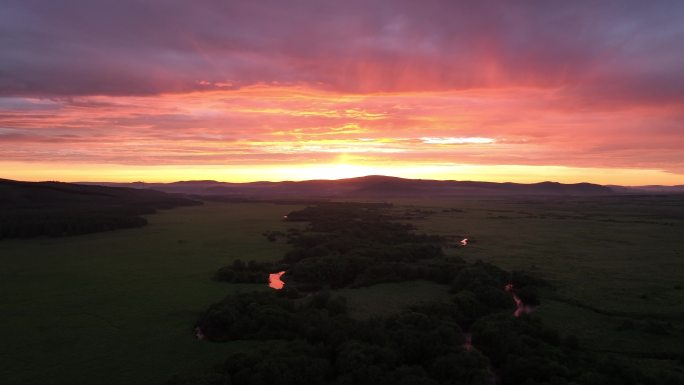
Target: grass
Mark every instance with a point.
(621, 255)
(119, 307)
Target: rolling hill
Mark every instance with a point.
(373, 186)
(30, 209)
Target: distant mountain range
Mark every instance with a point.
(648, 189)
(17, 194)
(29, 209)
(367, 186)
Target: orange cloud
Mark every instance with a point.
(278, 126)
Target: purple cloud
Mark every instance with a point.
(627, 51)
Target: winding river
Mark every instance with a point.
(274, 281)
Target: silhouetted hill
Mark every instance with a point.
(58, 209)
(371, 186)
(650, 189)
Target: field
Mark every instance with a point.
(617, 263)
(119, 307)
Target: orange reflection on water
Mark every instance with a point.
(274, 281)
(520, 307)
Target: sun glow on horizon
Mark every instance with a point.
(276, 132)
(438, 91)
(346, 168)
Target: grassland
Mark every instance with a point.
(118, 307)
(617, 262)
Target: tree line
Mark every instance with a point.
(32, 209)
(471, 338)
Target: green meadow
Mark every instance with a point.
(119, 307)
(616, 263)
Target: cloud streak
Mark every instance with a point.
(261, 124)
(613, 49)
(540, 83)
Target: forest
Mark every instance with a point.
(476, 337)
(31, 209)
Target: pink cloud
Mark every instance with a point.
(261, 125)
(578, 83)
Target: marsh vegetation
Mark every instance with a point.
(126, 302)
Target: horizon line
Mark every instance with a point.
(334, 179)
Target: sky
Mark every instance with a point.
(521, 91)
